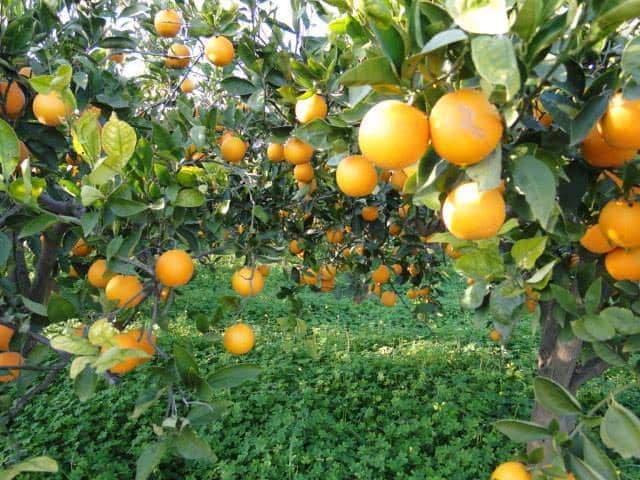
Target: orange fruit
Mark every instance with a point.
(620, 125)
(10, 359)
(6, 333)
(381, 274)
(247, 282)
(532, 304)
(24, 151)
(187, 85)
(116, 57)
(233, 149)
(303, 172)
(309, 277)
(598, 153)
(178, 50)
(125, 289)
(394, 134)
(239, 339)
(424, 291)
(265, 270)
(132, 340)
(395, 229)
(311, 108)
(398, 179)
(26, 72)
(296, 246)
(370, 213)
(470, 214)
(376, 289)
(164, 294)
(326, 285)
(541, 115)
(219, 51)
(174, 268)
(388, 299)
(412, 294)
(73, 273)
(275, 152)
(403, 211)
(465, 127)
(167, 23)
(297, 152)
(98, 274)
(313, 185)
(358, 250)
(12, 100)
(49, 109)
(356, 176)
(334, 235)
(385, 175)
(81, 248)
(452, 252)
(397, 268)
(413, 270)
(620, 223)
(495, 335)
(227, 134)
(327, 272)
(623, 264)
(595, 241)
(511, 471)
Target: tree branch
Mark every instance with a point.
(47, 262)
(21, 273)
(586, 371)
(61, 207)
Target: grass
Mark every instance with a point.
(378, 397)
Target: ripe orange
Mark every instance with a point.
(133, 340)
(412, 294)
(12, 100)
(511, 471)
(311, 108)
(116, 57)
(623, 264)
(370, 213)
(620, 222)
(247, 282)
(495, 335)
(297, 152)
(167, 23)
(465, 127)
(187, 85)
(303, 172)
(73, 273)
(233, 149)
(403, 211)
(178, 50)
(356, 176)
(10, 359)
(541, 115)
(394, 134)
(125, 289)
(326, 285)
(81, 248)
(327, 272)
(452, 252)
(334, 235)
(265, 270)
(375, 289)
(98, 274)
(470, 214)
(275, 152)
(620, 125)
(358, 250)
(239, 339)
(296, 246)
(219, 51)
(398, 179)
(309, 277)
(225, 135)
(388, 299)
(397, 268)
(49, 109)
(395, 229)
(26, 72)
(6, 333)
(381, 274)
(595, 241)
(413, 270)
(598, 153)
(174, 268)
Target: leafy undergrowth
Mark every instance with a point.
(382, 397)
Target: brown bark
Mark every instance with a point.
(46, 263)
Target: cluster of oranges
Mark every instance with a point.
(7, 358)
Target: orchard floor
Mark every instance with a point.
(382, 399)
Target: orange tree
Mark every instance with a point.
(492, 128)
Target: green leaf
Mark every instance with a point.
(480, 16)
(584, 121)
(78, 365)
(114, 246)
(622, 319)
(5, 249)
(34, 307)
(190, 446)
(37, 225)
(149, 459)
(147, 399)
(190, 198)
(200, 415)
(116, 355)
(606, 353)
(238, 86)
(598, 327)
(526, 251)
(90, 195)
(59, 309)
(75, 345)
(34, 464)
(495, 61)
(582, 471)
(126, 208)
(442, 39)
(487, 263)
(9, 149)
(625, 10)
(593, 296)
(26, 190)
(502, 304)
(473, 295)
(536, 181)
(631, 59)
(597, 459)
(577, 326)
(119, 142)
(374, 71)
(391, 42)
(620, 431)
(555, 397)
(186, 366)
(520, 431)
(487, 173)
(232, 376)
(528, 18)
(86, 137)
(565, 298)
(542, 276)
(85, 384)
